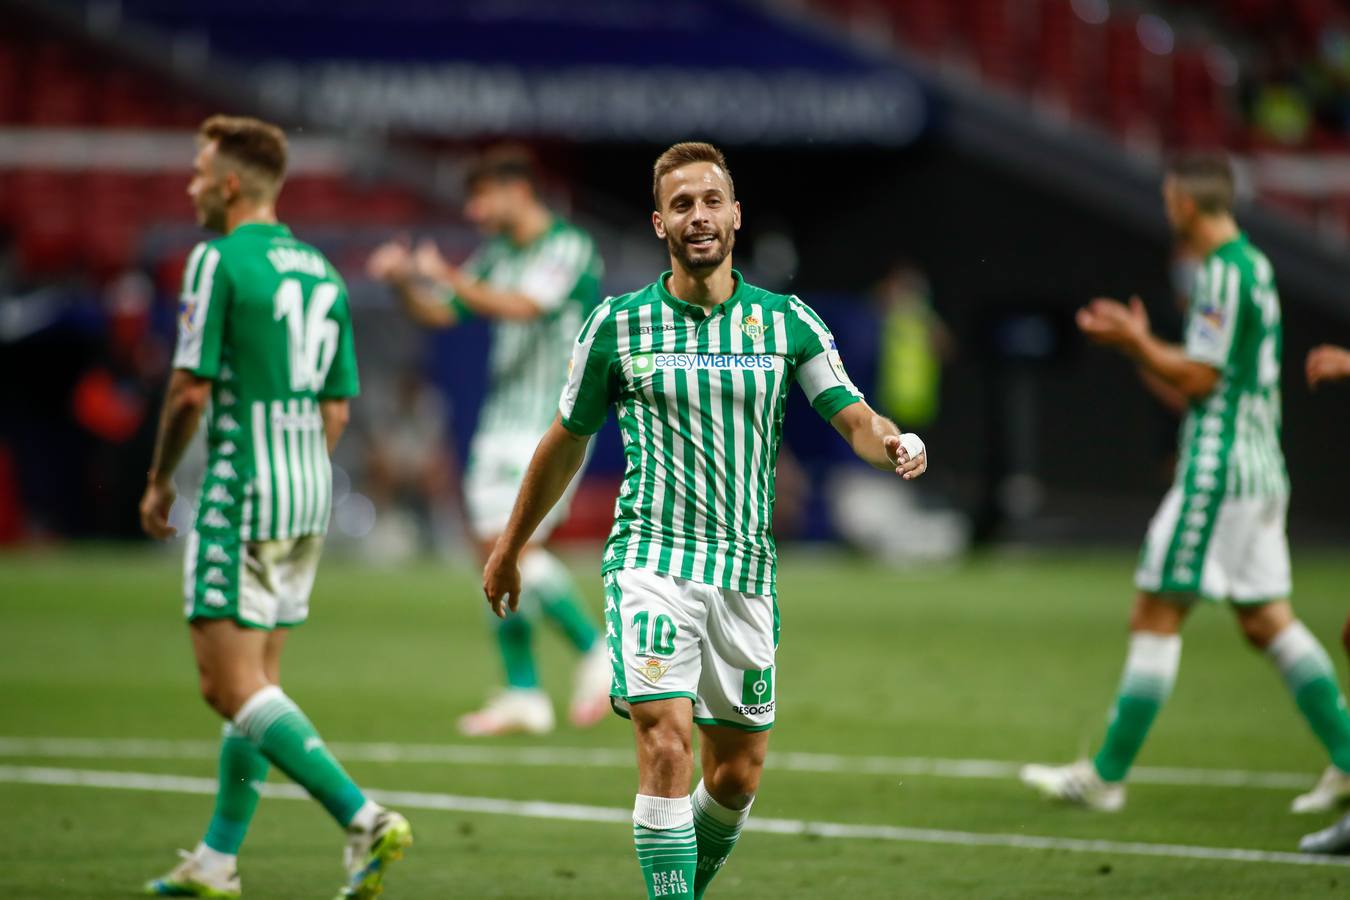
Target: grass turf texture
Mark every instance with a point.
(1003, 658)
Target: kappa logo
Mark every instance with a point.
(225, 398)
(227, 424)
(219, 494)
(653, 669)
(214, 518)
(224, 469)
(214, 597)
(752, 327)
(655, 329)
(215, 576)
(313, 742)
(227, 448)
(216, 554)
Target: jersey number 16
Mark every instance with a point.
(312, 337)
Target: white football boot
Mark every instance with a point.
(1333, 840)
(590, 687)
(369, 853)
(512, 711)
(197, 876)
(1077, 783)
(1332, 789)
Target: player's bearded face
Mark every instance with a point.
(700, 221)
(207, 190)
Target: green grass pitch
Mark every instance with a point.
(1007, 658)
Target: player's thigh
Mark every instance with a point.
(738, 683)
(230, 661)
(1159, 613)
(654, 628)
(732, 762)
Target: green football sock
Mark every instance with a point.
(1308, 673)
(1146, 683)
(545, 578)
(289, 740)
(667, 850)
(515, 641)
(242, 769)
(717, 829)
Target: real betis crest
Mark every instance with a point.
(753, 328)
(653, 668)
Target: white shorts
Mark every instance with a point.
(670, 637)
(497, 464)
(259, 584)
(1231, 548)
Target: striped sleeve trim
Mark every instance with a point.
(554, 269)
(585, 397)
(198, 284)
(1214, 314)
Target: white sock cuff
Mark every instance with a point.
(261, 710)
(1154, 655)
(707, 805)
(541, 569)
(662, 813)
(1298, 654)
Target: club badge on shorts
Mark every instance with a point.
(653, 669)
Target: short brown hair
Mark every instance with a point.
(257, 144)
(505, 162)
(683, 154)
(1207, 178)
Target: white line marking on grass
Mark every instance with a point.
(575, 812)
(601, 757)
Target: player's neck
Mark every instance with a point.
(249, 214)
(1212, 232)
(705, 289)
(533, 222)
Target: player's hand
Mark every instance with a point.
(906, 466)
(1111, 322)
(391, 261)
(501, 582)
(155, 506)
(429, 263)
(1327, 363)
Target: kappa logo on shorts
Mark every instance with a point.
(653, 669)
(214, 518)
(214, 597)
(224, 469)
(215, 576)
(216, 554)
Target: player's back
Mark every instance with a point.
(266, 317)
(560, 271)
(1231, 439)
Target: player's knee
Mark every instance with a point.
(664, 742)
(734, 783)
(214, 693)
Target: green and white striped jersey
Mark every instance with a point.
(1230, 440)
(266, 318)
(700, 397)
(560, 271)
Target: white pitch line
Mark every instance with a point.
(601, 757)
(575, 812)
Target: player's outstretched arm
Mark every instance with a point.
(392, 263)
(184, 402)
(1327, 363)
(1126, 328)
(878, 441)
(478, 296)
(555, 463)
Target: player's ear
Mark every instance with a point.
(658, 225)
(736, 215)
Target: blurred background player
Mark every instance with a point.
(537, 277)
(1325, 364)
(265, 350)
(698, 363)
(1220, 531)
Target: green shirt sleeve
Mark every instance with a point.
(342, 380)
(816, 362)
(592, 383)
(204, 308)
(1212, 319)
